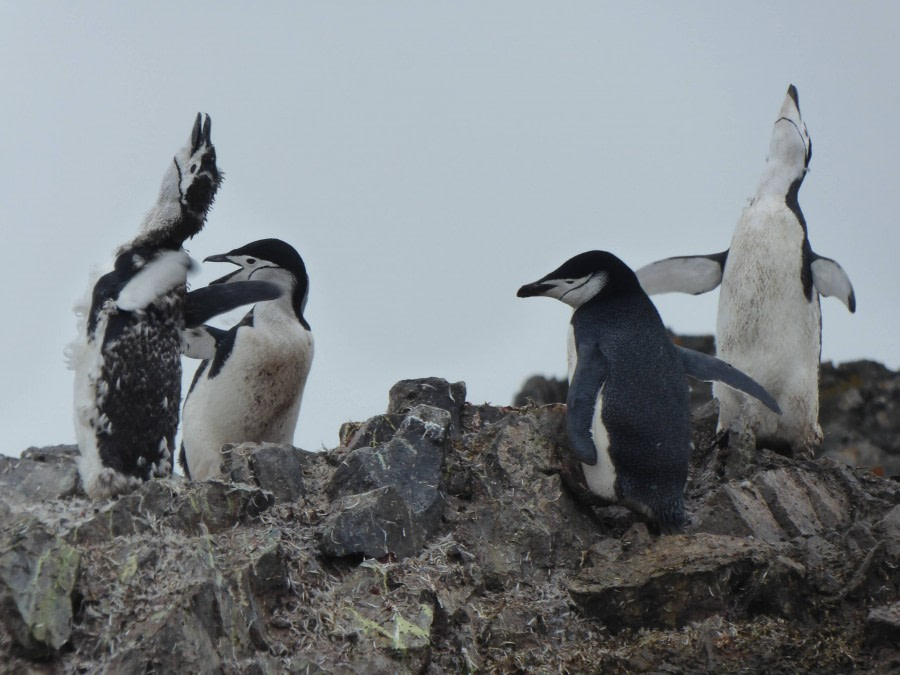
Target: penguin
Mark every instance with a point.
(127, 356)
(250, 384)
(769, 321)
(627, 411)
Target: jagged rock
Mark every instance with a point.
(411, 462)
(216, 504)
(371, 524)
(541, 390)
(520, 570)
(371, 607)
(883, 625)
(523, 521)
(278, 469)
(431, 391)
(775, 505)
(40, 475)
(38, 571)
(374, 431)
(683, 578)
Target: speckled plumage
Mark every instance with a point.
(127, 357)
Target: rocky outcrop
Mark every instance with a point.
(447, 537)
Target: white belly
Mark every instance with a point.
(767, 327)
(601, 478)
(254, 398)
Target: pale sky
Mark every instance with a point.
(426, 159)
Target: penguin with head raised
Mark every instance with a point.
(250, 384)
(769, 320)
(127, 356)
(627, 412)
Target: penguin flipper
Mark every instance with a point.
(205, 303)
(710, 369)
(829, 278)
(684, 274)
(202, 342)
(157, 277)
(590, 374)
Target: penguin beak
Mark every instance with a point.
(222, 257)
(531, 290)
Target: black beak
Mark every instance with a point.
(207, 130)
(531, 290)
(196, 134)
(221, 257)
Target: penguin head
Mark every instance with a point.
(584, 277)
(269, 260)
(790, 147)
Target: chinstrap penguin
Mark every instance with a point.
(250, 384)
(127, 357)
(627, 412)
(769, 320)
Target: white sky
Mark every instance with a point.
(427, 159)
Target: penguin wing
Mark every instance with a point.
(710, 369)
(684, 274)
(166, 271)
(830, 278)
(589, 376)
(205, 303)
(201, 342)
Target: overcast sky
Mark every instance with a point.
(426, 159)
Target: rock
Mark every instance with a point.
(389, 617)
(274, 468)
(430, 391)
(411, 463)
(883, 625)
(541, 390)
(38, 571)
(680, 579)
(374, 431)
(372, 524)
(775, 505)
(39, 477)
(859, 410)
(492, 557)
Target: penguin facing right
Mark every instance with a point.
(627, 412)
(250, 384)
(769, 319)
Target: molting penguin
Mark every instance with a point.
(769, 320)
(627, 411)
(127, 357)
(250, 384)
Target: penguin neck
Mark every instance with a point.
(167, 225)
(779, 179)
(280, 311)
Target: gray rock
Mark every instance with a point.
(278, 469)
(883, 625)
(38, 477)
(680, 579)
(372, 524)
(38, 571)
(541, 390)
(430, 391)
(775, 505)
(411, 463)
(374, 431)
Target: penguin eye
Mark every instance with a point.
(251, 261)
(193, 168)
